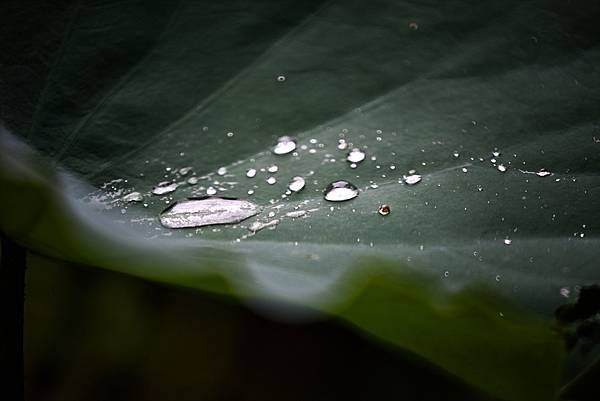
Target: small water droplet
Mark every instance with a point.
(133, 197)
(543, 173)
(250, 192)
(222, 170)
(496, 153)
(412, 179)
(198, 212)
(272, 169)
(211, 191)
(384, 210)
(164, 187)
(340, 191)
(271, 180)
(281, 78)
(185, 170)
(501, 167)
(251, 172)
(192, 180)
(296, 184)
(284, 145)
(229, 134)
(356, 156)
(565, 292)
(464, 170)
(507, 241)
(455, 154)
(296, 214)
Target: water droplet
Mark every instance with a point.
(211, 191)
(198, 212)
(272, 169)
(229, 134)
(507, 241)
(413, 25)
(271, 180)
(412, 179)
(565, 292)
(339, 191)
(296, 184)
(281, 78)
(356, 156)
(543, 173)
(251, 173)
(455, 154)
(384, 210)
(222, 170)
(501, 167)
(353, 165)
(185, 170)
(192, 180)
(284, 145)
(257, 225)
(464, 170)
(342, 144)
(164, 187)
(496, 153)
(250, 191)
(133, 197)
(296, 213)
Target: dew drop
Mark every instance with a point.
(198, 212)
(133, 197)
(296, 184)
(355, 156)
(271, 180)
(296, 213)
(384, 210)
(164, 187)
(284, 145)
(340, 191)
(251, 173)
(412, 179)
(229, 134)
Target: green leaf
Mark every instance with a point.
(121, 97)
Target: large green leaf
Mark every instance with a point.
(121, 96)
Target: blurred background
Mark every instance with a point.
(98, 335)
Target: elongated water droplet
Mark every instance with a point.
(356, 156)
(185, 170)
(133, 197)
(340, 191)
(198, 212)
(296, 184)
(384, 210)
(271, 180)
(164, 187)
(284, 145)
(257, 225)
(251, 173)
(222, 170)
(412, 179)
(543, 173)
(295, 213)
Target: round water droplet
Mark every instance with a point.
(412, 179)
(133, 197)
(250, 191)
(296, 184)
(496, 153)
(501, 167)
(342, 145)
(251, 173)
(340, 191)
(464, 170)
(229, 134)
(271, 180)
(507, 241)
(273, 169)
(211, 191)
(192, 180)
(384, 210)
(164, 188)
(356, 156)
(284, 145)
(455, 154)
(222, 170)
(281, 78)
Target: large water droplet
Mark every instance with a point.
(296, 184)
(356, 156)
(271, 180)
(222, 170)
(164, 187)
(284, 145)
(133, 197)
(273, 169)
(340, 191)
(412, 179)
(198, 212)
(251, 173)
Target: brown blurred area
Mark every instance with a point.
(97, 335)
